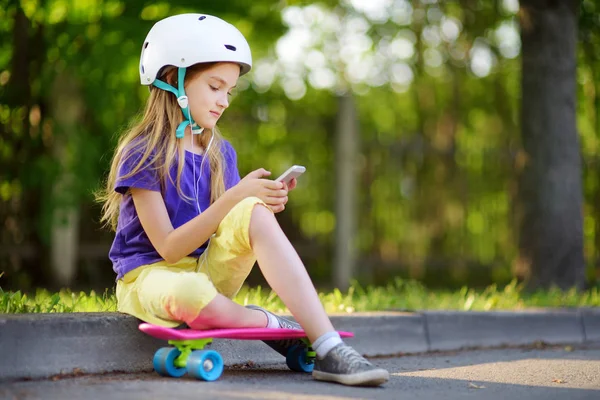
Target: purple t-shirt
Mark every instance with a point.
(131, 247)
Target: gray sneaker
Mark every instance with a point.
(282, 346)
(344, 365)
(283, 322)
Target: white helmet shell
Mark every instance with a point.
(187, 39)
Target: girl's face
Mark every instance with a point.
(209, 92)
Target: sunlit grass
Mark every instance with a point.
(408, 295)
(401, 294)
(42, 301)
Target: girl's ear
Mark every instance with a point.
(172, 77)
(169, 75)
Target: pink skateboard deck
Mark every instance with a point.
(163, 333)
(189, 356)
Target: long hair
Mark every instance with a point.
(153, 137)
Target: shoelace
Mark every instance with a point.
(352, 357)
(282, 344)
(284, 323)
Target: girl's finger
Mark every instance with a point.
(277, 193)
(278, 209)
(292, 184)
(274, 207)
(276, 200)
(273, 185)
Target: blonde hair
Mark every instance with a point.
(154, 138)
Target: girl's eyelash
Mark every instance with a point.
(215, 89)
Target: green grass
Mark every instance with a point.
(43, 301)
(398, 295)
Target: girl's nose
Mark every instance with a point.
(223, 101)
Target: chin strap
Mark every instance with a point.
(182, 100)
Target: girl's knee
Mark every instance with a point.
(261, 222)
(261, 215)
(245, 216)
(189, 294)
(248, 206)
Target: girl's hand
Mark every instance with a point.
(292, 184)
(273, 193)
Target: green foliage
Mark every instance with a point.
(405, 295)
(439, 156)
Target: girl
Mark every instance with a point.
(188, 229)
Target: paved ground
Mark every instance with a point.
(517, 373)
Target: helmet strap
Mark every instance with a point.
(182, 100)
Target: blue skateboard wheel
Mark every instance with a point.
(164, 362)
(206, 365)
(297, 359)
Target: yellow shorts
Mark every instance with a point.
(169, 294)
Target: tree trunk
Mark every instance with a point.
(551, 233)
(589, 51)
(67, 112)
(345, 199)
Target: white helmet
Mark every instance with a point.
(187, 39)
(184, 40)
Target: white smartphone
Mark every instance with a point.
(293, 172)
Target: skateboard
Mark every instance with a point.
(187, 354)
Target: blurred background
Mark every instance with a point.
(416, 120)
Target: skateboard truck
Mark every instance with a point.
(186, 347)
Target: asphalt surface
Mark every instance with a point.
(538, 372)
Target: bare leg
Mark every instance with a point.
(286, 274)
(222, 312)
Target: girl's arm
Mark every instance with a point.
(174, 244)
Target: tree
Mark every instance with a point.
(346, 147)
(64, 90)
(551, 230)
